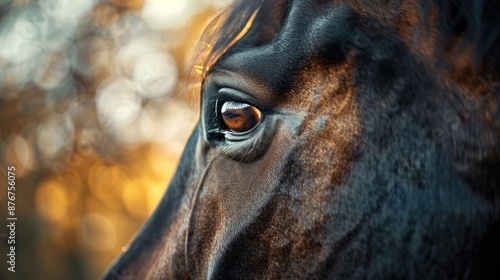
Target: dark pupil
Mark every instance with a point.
(239, 117)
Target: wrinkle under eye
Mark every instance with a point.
(240, 117)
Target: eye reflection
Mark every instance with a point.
(240, 117)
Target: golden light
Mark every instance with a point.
(52, 202)
(134, 198)
(98, 232)
(105, 180)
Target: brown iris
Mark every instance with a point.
(240, 117)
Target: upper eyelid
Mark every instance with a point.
(217, 93)
(232, 94)
(255, 89)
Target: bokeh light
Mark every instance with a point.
(95, 113)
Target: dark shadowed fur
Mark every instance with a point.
(377, 156)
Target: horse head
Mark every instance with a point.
(337, 139)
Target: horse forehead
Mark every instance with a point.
(327, 24)
(311, 22)
(307, 29)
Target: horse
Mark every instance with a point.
(347, 139)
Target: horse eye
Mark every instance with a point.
(240, 117)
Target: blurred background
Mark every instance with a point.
(95, 110)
